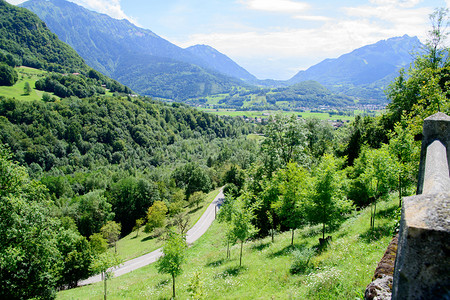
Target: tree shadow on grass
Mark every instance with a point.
(387, 213)
(162, 283)
(260, 246)
(232, 271)
(216, 263)
(148, 238)
(287, 250)
(376, 233)
(194, 210)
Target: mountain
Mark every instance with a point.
(366, 70)
(26, 40)
(137, 57)
(220, 62)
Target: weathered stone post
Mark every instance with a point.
(422, 265)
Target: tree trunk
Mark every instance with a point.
(173, 285)
(272, 234)
(240, 258)
(399, 190)
(104, 279)
(292, 239)
(374, 212)
(228, 249)
(323, 230)
(371, 215)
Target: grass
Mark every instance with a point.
(131, 246)
(267, 113)
(342, 271)
(26, 74)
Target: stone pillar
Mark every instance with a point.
(422, 266)
(435, 128)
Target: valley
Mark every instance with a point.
(114, 141)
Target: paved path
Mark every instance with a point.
(192, 235)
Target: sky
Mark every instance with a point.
(274, 38)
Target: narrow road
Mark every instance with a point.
(192, 235)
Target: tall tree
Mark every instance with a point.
(111, 233)
(284, 142)
(377, 174)
(242, 227)
(293, 183)
(226, 216)
(406, 151)
(173, 258)
(30, 261)
(156, 216)
(329, 204)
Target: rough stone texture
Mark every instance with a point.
(386, 265)
(379, 289)
(436, 178)
(435, 127)
(381, 286)
(422, 266)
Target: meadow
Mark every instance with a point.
(342, 271)
(252, 114)
(26, 74)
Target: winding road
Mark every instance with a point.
(192, 235)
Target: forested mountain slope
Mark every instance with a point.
(137, 57)
(26, 40)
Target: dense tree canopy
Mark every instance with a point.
(8, 76)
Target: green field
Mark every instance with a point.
(340, 272)
(26, 74)
(267, 113)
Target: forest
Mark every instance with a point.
(78, 173)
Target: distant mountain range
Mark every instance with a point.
(153, 66)
(368, 69)
(138, 57)
(220, 62)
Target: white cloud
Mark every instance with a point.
(285, 6)
(313, 18)
(399, 3)
(110, 7)
(281, 53)
(15, 2)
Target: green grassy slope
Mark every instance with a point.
(131, 246)
(26, 74)
(340, 272)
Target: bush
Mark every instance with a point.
(8, 76)
(301, 261)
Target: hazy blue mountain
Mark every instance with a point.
(220, 62)
(366, 71)
(109, 44)
(364, 65)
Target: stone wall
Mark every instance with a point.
(422, 265)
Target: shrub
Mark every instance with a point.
(301, 260)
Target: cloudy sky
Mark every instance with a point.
(274, 38)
